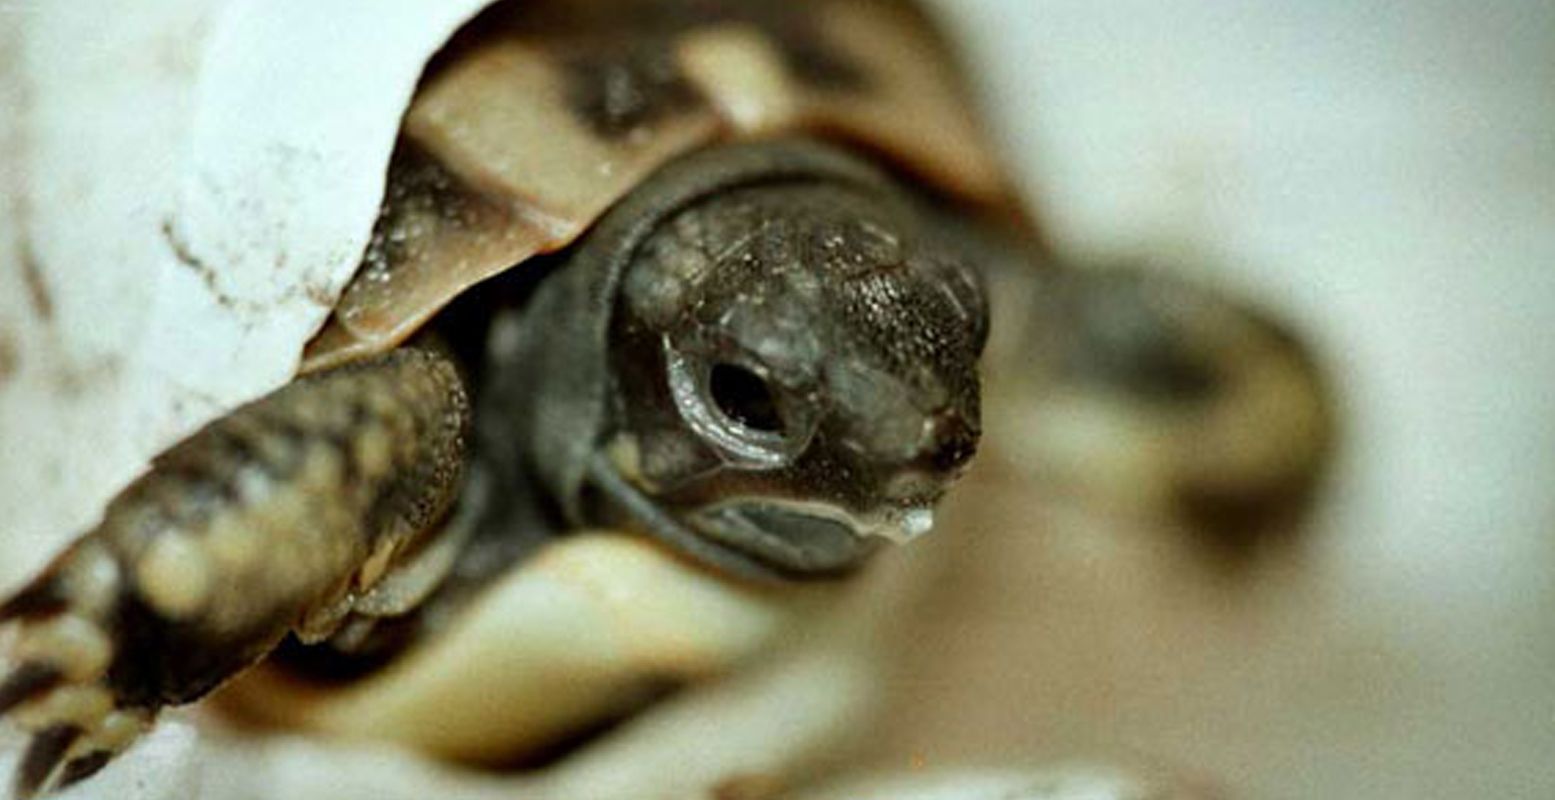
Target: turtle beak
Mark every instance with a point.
(755, 538)
(794, 540)
(764, 537)
(806, 537)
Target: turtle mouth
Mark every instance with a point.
(763, 538)
(808, 537)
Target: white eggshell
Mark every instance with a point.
(184, 193)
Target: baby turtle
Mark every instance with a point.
(710, 274)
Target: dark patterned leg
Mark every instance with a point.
(272, 520)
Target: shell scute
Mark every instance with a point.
(541, 118)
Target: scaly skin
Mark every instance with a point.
(270, 520)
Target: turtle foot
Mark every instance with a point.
(59, 690)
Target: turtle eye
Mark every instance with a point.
(745, 398)
(734, 408)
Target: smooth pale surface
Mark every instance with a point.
(593, 622)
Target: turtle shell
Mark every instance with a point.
(539, 115)
(527, 127)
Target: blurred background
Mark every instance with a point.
(1382, 175)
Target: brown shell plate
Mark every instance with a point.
(540, 115)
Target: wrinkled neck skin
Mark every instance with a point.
(765, 357)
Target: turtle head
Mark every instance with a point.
(793, 375)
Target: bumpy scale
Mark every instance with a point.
(290, 506)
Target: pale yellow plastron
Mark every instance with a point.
(586, 629)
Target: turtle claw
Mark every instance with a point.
(82, 767)
(44, 753)
(60, 689)
(76, 729)
(46, 759)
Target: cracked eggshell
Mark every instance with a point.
(183, 195)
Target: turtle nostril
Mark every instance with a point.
(952, 440)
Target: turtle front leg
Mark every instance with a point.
(270, 520)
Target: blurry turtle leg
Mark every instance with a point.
(270, 520)
(1141, 392)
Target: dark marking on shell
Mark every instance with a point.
(792, 27)
(807, 52)
(619, 56)
(618, 91)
